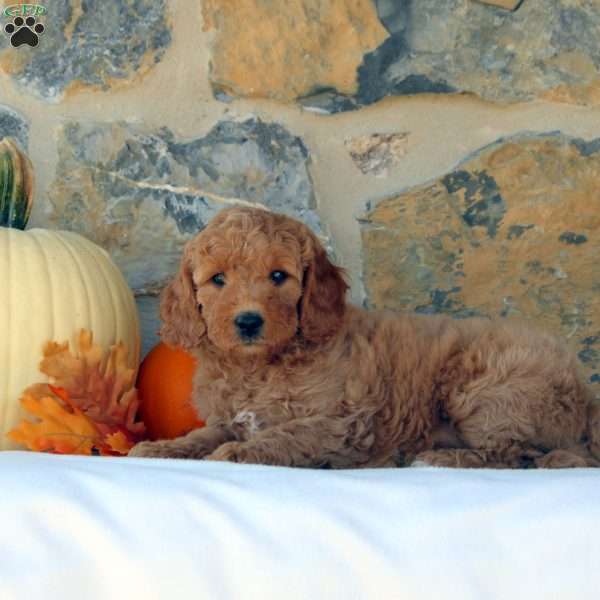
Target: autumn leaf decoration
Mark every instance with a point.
(88, 408)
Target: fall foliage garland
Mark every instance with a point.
(90, 405)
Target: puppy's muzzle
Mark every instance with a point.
(249, 325)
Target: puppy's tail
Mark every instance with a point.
(594, 430)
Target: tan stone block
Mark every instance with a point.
(515, 231)
(285, 51)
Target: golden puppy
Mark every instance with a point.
(289, 374)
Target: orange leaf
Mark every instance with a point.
(119, 443)
(89, 406)
(60, 392)
(57, 430)
(98, 382)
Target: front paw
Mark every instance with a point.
(148, 450)
(232, 452)
(166, 449)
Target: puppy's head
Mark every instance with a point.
(250, 282)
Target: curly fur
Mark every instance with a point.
(331, 385)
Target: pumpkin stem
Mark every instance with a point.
(16, 185)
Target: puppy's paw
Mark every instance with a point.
(562, 459)
(461, 458)
(233, 452)
(147, 450)
(160, 450)
(432, 458)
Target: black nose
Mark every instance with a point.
(249, 324)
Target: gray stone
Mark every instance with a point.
(142, 194)
(12, 124)
(543, 50)
(89, 42)
(587, 148)
(148, 310)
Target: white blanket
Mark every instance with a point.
(74, 528)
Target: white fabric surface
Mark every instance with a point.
(101, 528)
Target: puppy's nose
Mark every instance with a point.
(249, 324)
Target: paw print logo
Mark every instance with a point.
(24, 31)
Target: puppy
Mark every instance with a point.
(290, 374)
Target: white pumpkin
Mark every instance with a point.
(52, 284)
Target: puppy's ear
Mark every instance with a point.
(183, 324)
(323, 304)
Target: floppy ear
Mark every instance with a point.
(183, 324)
(323, 304)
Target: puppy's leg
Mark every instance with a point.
(565, 459)
(516, 457)
(196, 444)
(308, 442)
(519, 390)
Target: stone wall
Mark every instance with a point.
(447, 151)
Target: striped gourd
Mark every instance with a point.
(16, 185)
(52, 284)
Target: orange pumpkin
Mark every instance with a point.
(165, 387)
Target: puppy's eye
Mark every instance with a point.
(278, 277)
(218, 279)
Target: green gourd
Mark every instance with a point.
(16, 185)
